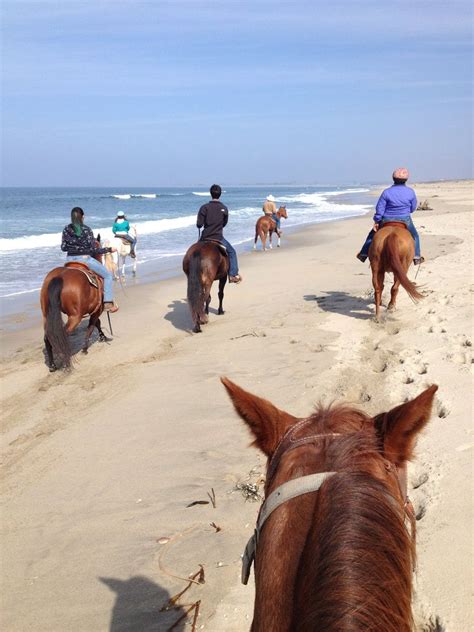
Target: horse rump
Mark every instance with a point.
(54, 329)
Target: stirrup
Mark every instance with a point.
(418, 260)
(235, 279)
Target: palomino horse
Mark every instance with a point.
(333, 549)
(203, 263)
(124, 249)
(392, 250)
(267, 225)
(67, 289)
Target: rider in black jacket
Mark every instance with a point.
(213, 216)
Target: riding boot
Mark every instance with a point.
(110, 306)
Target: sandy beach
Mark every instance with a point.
(100, 464)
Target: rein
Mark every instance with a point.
(303, 485)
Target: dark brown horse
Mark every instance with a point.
(204, 263)
(392, 250)
(334, 550)
(266, 225)
(67, 290)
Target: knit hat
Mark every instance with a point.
(401, 173)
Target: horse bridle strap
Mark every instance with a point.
(291, 489)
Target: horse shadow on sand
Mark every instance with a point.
(343, 303)
(77, 337)
(137, 607)
(179, 315)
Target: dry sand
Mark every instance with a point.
(100, 464)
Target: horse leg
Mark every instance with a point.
(263, 237)
(279, 238)
(222, 283)
(393, 295)
(134, 266)
(207, 304)
(377, 280)
(102, 336)
(270, 240)
(90, 329)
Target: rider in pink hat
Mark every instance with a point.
(396, 204)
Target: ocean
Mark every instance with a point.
(32, 220)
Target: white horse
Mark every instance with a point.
(124, 248)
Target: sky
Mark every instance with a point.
(183, 92)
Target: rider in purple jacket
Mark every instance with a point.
(396, 204)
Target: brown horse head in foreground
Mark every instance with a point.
(336, 554)
(67, 290)
(392, 250)
(266, 225)
(203, 263)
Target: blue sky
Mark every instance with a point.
(182, 92)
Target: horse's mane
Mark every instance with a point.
(358, 554)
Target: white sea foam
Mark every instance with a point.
(201, 193)
(128, 196)
(53, 240)
(35, 289)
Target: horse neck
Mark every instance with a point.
(347, 554)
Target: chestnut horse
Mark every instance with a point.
(392, 250)
(267, 225)
(332, 548)
(67, 290)
(203, 263)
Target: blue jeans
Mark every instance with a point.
(131, 240)
(276, 219)
(101, 270)
(405, 220)
(233, 265)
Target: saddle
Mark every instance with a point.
(92, 277)
(124, 241)
(221, 247)
(399, 224)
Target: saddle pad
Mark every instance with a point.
(124, 241)
(82, 267)
(400, 224)
(221, 247)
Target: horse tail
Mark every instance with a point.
(195, 290)
(394, 262)
(54, 327)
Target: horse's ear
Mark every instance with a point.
(267, 423)
(98, 237)
(399, 427)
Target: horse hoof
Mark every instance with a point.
(104, 339)
(391, 308)
(197, 329)
(278, 245)
(53, 368)
(220, 312)
(85, 351)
